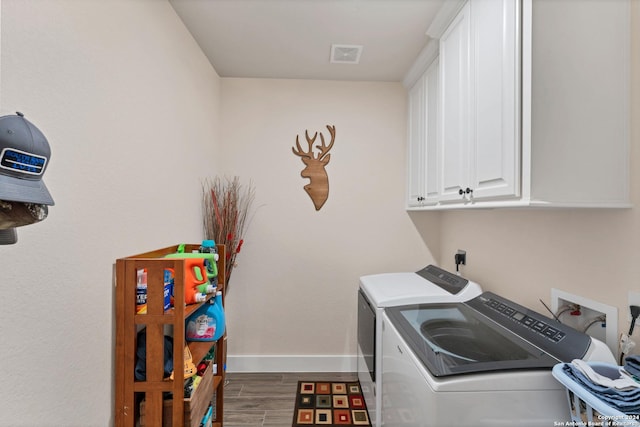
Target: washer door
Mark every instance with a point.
(453, 339)
(470, 343)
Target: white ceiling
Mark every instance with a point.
(292, 38)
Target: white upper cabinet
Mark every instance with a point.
(454, 106)
(417, 144)
(494, 167)
(432, 85)
(423, 181)
(529, 108)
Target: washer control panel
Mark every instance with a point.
(561, 341)
(540, 326)
(450, 282)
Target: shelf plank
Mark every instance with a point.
(153, 319)
(199, 349)
(149, 386)
(217, 379)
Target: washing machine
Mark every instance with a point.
(483, 362)
(379, 292)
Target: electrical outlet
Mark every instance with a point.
(634, 299)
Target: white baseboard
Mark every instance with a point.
(291, 363)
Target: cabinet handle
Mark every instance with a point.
(399, 349)
(465, 191)
(420, 198)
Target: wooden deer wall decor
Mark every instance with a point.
(318, 187)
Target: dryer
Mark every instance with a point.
(379, 292)
(486, 361)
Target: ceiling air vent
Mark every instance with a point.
(345, 53)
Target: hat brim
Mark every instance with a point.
(8, 236)
(24, 190)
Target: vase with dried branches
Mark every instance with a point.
(225, 207)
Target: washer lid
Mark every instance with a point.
(394, 289)
(453, 339)
(486, 334)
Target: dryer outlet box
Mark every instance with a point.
(589, 311)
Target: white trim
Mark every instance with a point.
(627, 101)
(522, 203)
(443, 18)
(422, 62)
(291, 363)
(526, 56)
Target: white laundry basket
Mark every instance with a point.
(586, 408)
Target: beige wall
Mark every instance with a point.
(294, 290)
(522, 254)
(129, 105)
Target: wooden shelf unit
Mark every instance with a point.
(157, 321)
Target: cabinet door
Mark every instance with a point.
(424, 179)
(495, 130)
(416, 149)
(432, 173)
(454, 106)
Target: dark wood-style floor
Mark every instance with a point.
(261, 400)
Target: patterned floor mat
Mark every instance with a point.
(330, 404)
